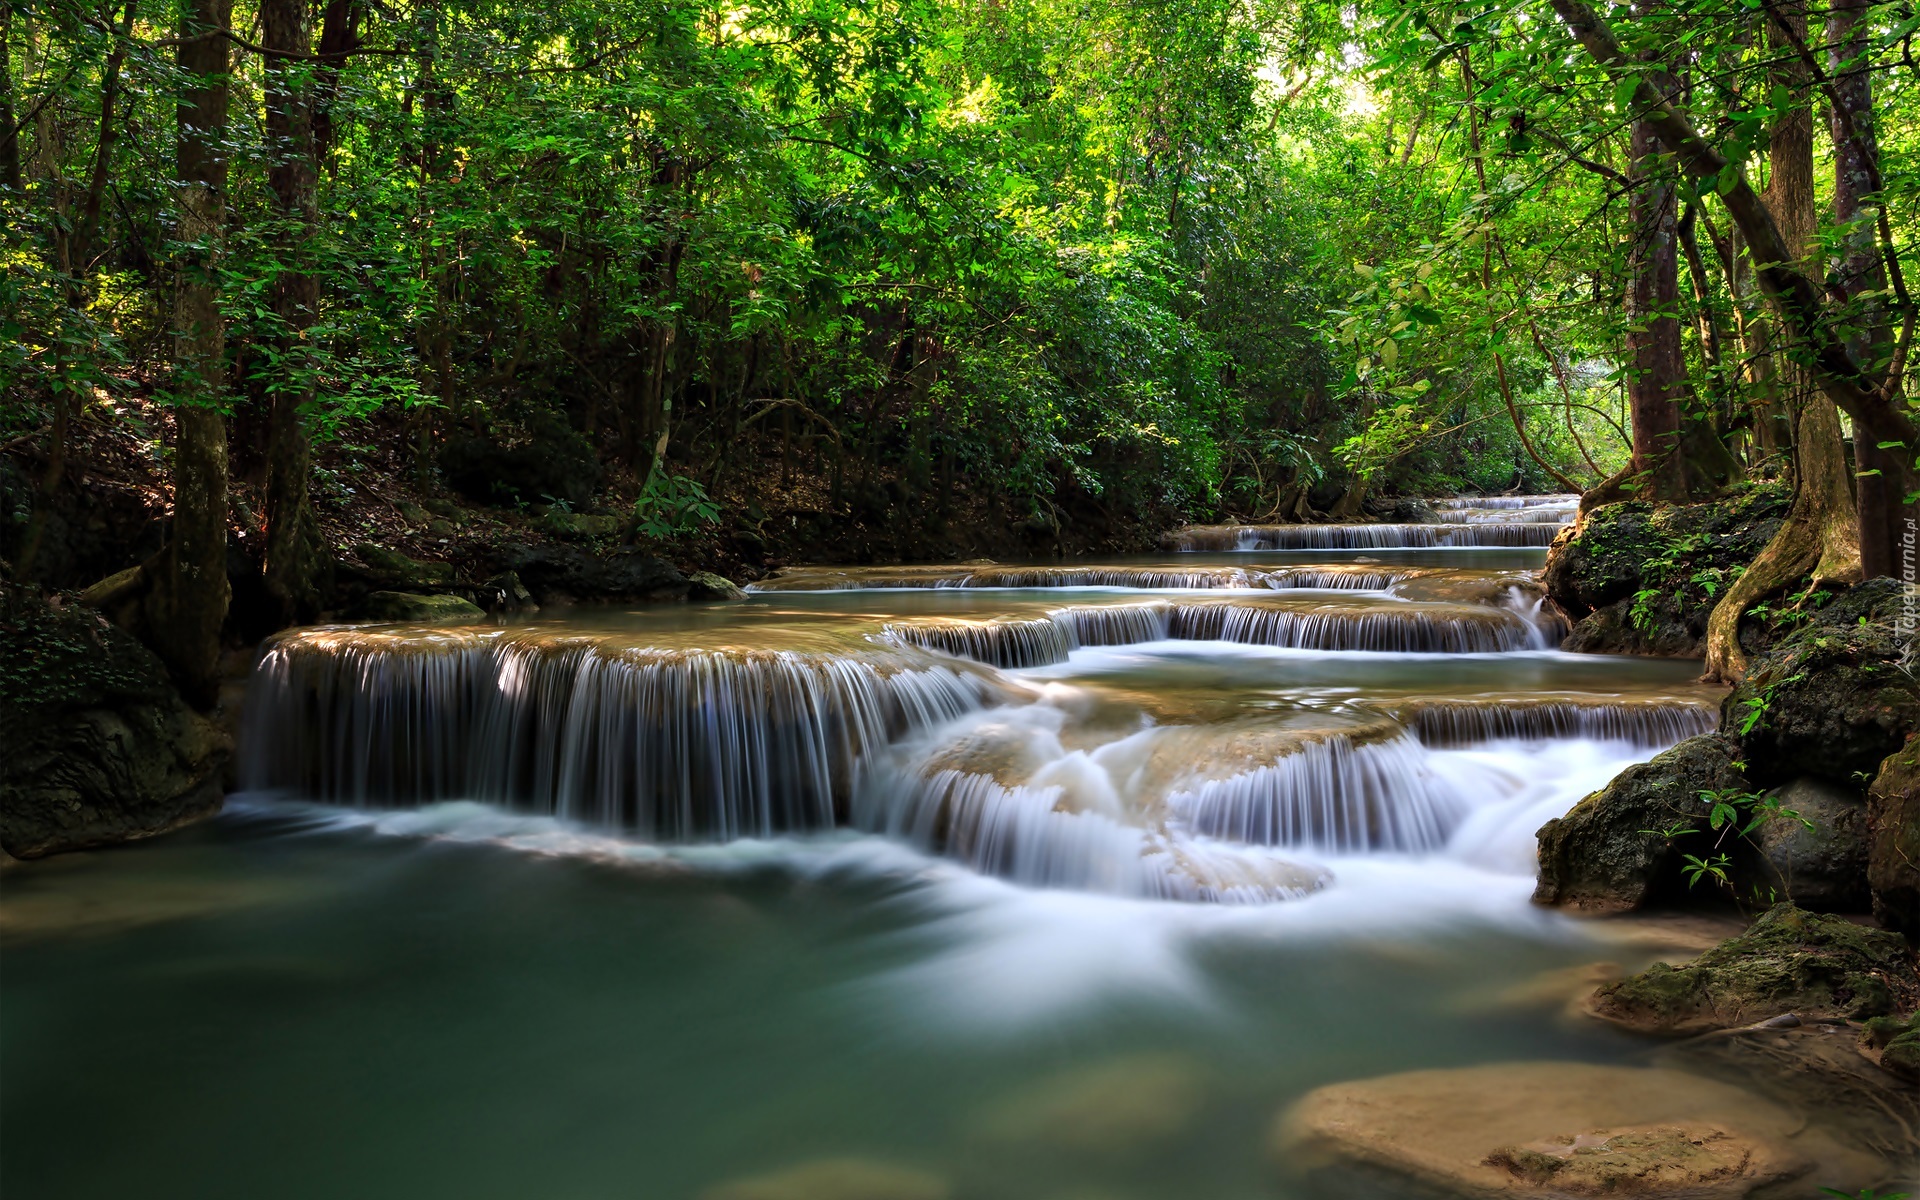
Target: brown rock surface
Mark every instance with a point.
(1552, 1128)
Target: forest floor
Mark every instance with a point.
(110, 508)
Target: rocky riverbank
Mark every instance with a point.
(100, 746)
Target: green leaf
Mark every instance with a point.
(1623, 90)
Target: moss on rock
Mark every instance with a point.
(100, 746)
(406, 606)
(1831, 699)
(1622, 848)
(1893, 839)
(1642, 580)
(1790, 961)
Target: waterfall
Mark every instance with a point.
(1321, 578)
(1002, 643)
(1492, 521)
(1331, 795)
(1391, 628)
(675, 744)
(1566, 500)
(1429, 629)
(1364, 537)
(1649, 723)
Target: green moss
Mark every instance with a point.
(56, 660)
(1646, 578)
(1790, 961)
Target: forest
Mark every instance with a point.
(879, 279)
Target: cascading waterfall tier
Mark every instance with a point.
(1651, 723)
(1386, 628)
(1332, 795)
(1562, 500)
(1186, 769)
(1364, 537)
(1337, 577)
(1487, 521)
(674, 744)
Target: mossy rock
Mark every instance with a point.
(1789, 961)
(395, 570)
(1642, 580)
(580, 525)
(705, 585)
(1893, 839)
(100, 746)
(407, 606)
(1622, 848)
(1830, 700)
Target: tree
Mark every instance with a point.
(187, 603)
(294, 554)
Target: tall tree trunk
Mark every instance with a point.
(293, 555)
(1861, 276)
(1829, 507)
(1820, 536)
(188, 600)
(1656, 370)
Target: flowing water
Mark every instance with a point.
(1048, 881)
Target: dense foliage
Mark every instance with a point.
(1030, 251)
(1041, 261)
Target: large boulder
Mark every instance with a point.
(100, 746)
(1623, 847)
(1831, 699)
(1893, 839)
(1818, 857)
(557, 574)
(1789, 961)
(1637, 579)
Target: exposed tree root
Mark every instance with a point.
(1820, 537)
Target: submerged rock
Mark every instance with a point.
(1623, 847)
(1893, 845)
(835, 1179)
(1831, 699)
(1826, 1076)
(406, 606)
(1127, 1104)
(1790, 961)
(1551, 1129)
(100, 746)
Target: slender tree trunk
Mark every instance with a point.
(293, 554)
(1861, 276)
(1656, 371)
(188, 600)
(9, 136)
(339, 36)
